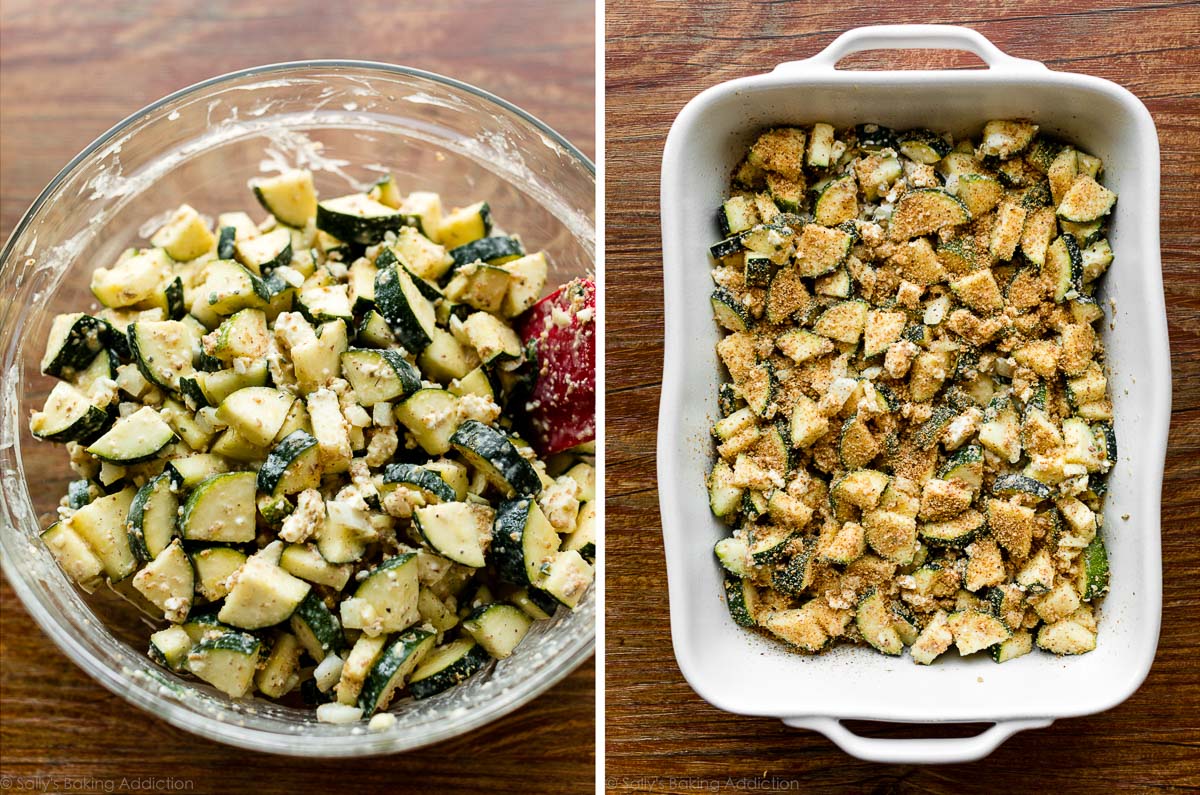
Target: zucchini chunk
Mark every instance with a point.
(290, 196)
(75, 340)
(317, 628)
(68, 416)
(74, 555)
(256, 412)
(170, 647)
(221, 508)
(293, 465)
(386, 599)
(1086, 200)
(447, 666)
(875, 622)
(101, 525)
(227, 662)
(923, 211)
(431, 415)
(568, 577)
(460, 531)
(497, 458)
(395, 663)
(152, 517)
(379, 375)
(524, 543)
(138, 437)
(497, 627)
(401, 303)
(214, 566)
(263, 594)
(431, 484)
(488, 250)
(168, 582)
(357, 218)
(465, 225)
(163, 351)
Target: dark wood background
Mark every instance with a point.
(661, 737)
(68, 71)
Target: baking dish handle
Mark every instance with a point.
(912, 37)
(919, 751)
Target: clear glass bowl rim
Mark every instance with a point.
(203, 725)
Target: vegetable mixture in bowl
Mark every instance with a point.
(339, 453)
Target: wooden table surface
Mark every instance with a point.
(70, 70)
(661, 737)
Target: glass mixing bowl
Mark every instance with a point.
(349, 122)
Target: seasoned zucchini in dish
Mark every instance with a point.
(915, 430)
(344, 454)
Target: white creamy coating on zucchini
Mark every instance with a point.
(295, 437)
(915, 433)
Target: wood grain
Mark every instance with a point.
(661, 737)
(70, 70)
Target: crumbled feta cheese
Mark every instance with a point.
(560, 503)
(382, 446)
(303, 522)
(402, 501)
(335, 712)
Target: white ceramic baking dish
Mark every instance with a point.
(735, 669)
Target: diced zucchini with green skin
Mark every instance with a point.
(163, 351)
(447, 666)
(228, 287)
(568, 577)
(74, 555)
(133, 279)
(528, 279)
(305, 562)
(489, 250)
(875, 137)
(1096, 258)
(734, 555)
(222, 508)
(279, 674)
(68, 415)
(80, 493)
(861, 488)
(74, 341)
(386, 599)
(1064, 268)
(263, 594)
(1037, 575)
(227, 662)
(1019, 484)
(874, 620)
(1066, 637)
(379, 375)
(934, 639)
(727, 247)
(395, 663)
(820, 146)
(386, 192)
(170, 647)
(356, 218)
(729, 311)
(975, 631)
(1095, 569)
(724, 498)
(490, 451)
(483, 287)
(1020, 644)
(800, 627)
(430, 483)
(257, 413)
(168, 582)
(837, 202)
(1086, 200)
(432, 418)
(524, 543)
(843, 322)
(242, 335)
(905, 623)
(293, 465)
(184, 236)
(423, 258)
(374, 331)
(317, 628)
(767, 543)
(465, 224)
(460, 531)
(213, 566)
(357, 666)
(290, 196)
(137, 437)
(923, 146)
(188, 472)
(410, 313)
(497, 627)
(323, 304)
(956, 532)
(152, 516)
(821, 250)
(923, 211)
(966, 465)
(1000, 430)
